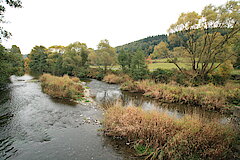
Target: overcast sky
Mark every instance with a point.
(61, 22)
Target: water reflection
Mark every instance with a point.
(105, 94)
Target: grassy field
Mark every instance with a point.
(154, 66)
(164, 65)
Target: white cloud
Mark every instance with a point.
(61, 22)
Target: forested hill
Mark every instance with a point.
(146, 44)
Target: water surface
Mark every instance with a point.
(35, 126)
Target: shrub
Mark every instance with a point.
(160, 136)
(62, 87)
(222, 74)
(162, 75)
(96, 73)
(116, 79)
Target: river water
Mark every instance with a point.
(34, 126)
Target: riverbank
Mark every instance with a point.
(65, 87)
(209, 97)
(158, 136)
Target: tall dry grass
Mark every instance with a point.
(116, 79)
(62, 87)
(163, 137)
(209, 96)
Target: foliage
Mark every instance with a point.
(236, 49)
(75, 59)
(146, 45)
(13, 4)
(161, 75)
(11, 63)
(116, 79)
(209, 96)
(124, 60)
(159, 136)
(222, 73)
(38, 59)
(105, 55)
(160, 51)
(62, 87)
(207, 37)
(138, 68)
(55, 60)
(96, 73)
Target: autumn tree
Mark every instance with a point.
(160, 51)
(206, 37)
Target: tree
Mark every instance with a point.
(11, 63)
(206, 37)
(13, 4)
(75, 59)
(106, 55)
(124, 60)
(38, 59)
(236, 49)
(160, 51)
(54, 60)
(17, 60)
(139, 68)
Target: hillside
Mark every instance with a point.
(146, 44)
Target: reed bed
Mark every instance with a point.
(62, 87)
(116, 79)
(158, 136)
(208, 96)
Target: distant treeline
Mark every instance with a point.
(146, 45)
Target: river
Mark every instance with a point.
(35, 126)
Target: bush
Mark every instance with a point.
(116, 79)
(222, 74)
(160, 136)
(96, 73)
(162, 75)
(62, 87)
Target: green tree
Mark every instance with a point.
(17, 60)
(11, 63)
(38, 59)
(54, 60)
(75, 59)
(200, 36)
(3, 3)
(124, 60)
(236, 49)
(105, 55)
(139, 68)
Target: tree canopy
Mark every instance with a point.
(207, 37)
(3, 4)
